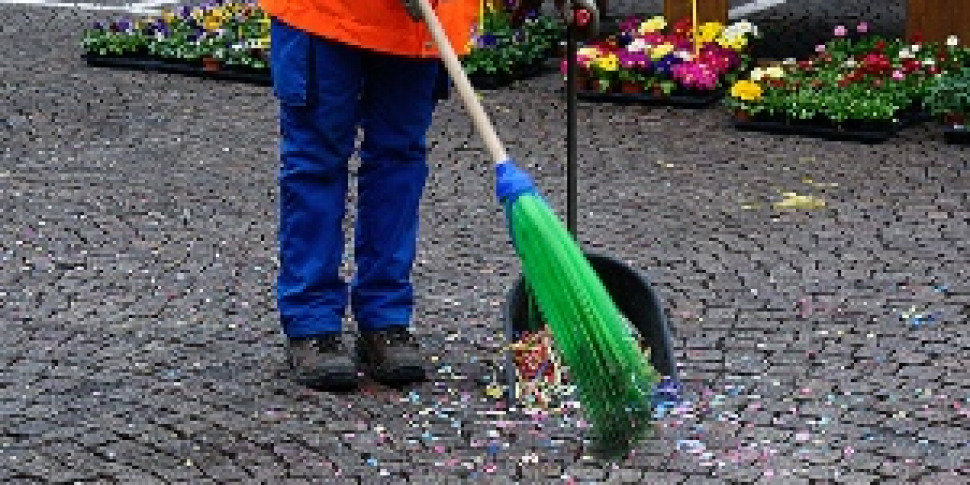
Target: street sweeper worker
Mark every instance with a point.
(338, 66)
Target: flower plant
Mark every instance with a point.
(237, 33)
(653, 54)
(856, 76)
(949, 94)
(498, 48)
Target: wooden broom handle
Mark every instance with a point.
(463, 85)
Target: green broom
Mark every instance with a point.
(614, 379)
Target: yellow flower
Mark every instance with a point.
(653, 25)
(736, 42)
(709, 31)
(168, 16)
(590, 52)
(746, 90)
(212, 23)
(660, 51)
(609, 63)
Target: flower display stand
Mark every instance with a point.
(956, 135)
(680, 98)
(196, 69)
(872, 132)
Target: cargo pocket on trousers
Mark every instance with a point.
(289, 57)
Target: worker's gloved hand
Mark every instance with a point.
(413, 10)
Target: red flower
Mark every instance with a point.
(682, 27)
(917, 38)
(934, 70)
(911, 65)
(876, 64)
(880, 45)
(844, 82)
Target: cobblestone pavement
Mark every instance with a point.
(140, 342)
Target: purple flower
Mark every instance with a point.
(624, 39)
(486, 40)
(629, 24)
(863, 27)
(186, 11)
(638, 60)
(666, 64)
(98, 26)
(840, 31)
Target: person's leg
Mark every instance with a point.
(318, 84)
(397, 104)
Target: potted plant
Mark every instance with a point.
(863, 86)
(948, 96)
(659, 61)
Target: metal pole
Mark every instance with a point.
(571, 182)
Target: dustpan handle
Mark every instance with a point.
(463, 85)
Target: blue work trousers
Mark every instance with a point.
(327, 90)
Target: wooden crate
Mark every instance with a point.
(936, 20)
(707, 10)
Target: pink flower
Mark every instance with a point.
(841, 31)
(820, 48)
(898, 75)
(862, 28)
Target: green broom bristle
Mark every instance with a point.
(612, 375)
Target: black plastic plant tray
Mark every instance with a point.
(498, 81)
(827, 131)
(682, 99)
(956, 135)
(143, 63)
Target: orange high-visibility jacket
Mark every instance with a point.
(380, 25)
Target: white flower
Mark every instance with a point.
(914, 48)
(929, 62)
(741, 28)
(952, 41)
(775, 72)
(791, 61)
(686, 56)
(757, 74)
(638, 45)
(159, 36)
(851, 63)
(905, 54)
